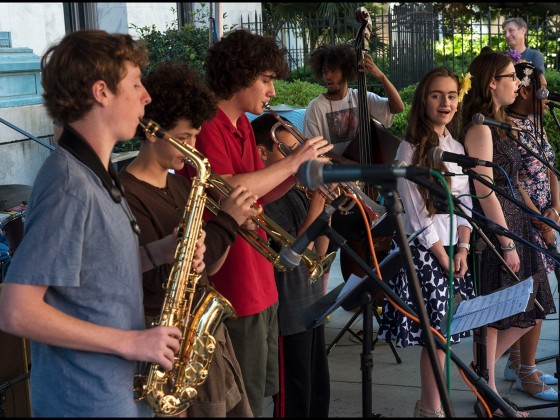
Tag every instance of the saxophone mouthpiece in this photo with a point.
(151, 127)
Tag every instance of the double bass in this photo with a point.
(373, 144)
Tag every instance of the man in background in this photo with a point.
(515, 31)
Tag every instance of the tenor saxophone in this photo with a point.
(171, 392)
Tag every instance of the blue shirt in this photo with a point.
(80, 243)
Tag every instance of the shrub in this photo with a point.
(188, 44)
(297, 93)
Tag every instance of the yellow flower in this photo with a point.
(464, 86)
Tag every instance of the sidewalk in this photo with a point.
(396, 387)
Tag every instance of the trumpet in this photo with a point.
(376, 212)
(316, 264)
(329, 195)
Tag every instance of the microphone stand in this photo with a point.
(554, 116)
(497, 230)
(522, 206)
(5, 387)
(557, 356)
(394, 209)
(480, 335)
(494, 227)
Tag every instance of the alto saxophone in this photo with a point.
(170, 393)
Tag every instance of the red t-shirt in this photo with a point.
(247, 278)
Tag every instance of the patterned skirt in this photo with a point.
(434, 284)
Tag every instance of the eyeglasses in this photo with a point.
(512, 75)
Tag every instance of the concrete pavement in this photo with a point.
(396, 386)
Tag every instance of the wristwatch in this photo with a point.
(508, 248)
(465, 245)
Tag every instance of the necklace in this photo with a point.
(341, 122)
(518, 115)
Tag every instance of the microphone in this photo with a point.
(543, 93)
(435, 189)
(480, 119)
(290, 256)
(313, 174)
(435, 154)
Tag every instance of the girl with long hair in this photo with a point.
(432, 123)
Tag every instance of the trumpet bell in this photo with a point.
(319, 267)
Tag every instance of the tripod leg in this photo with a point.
(480, 340)
(343, 330)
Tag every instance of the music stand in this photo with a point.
(362, 295)
(365, 292)
(389, 267)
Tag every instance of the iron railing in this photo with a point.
(409, 40)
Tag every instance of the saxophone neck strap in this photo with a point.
(76, 145)
(81, 150)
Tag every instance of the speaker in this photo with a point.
(14, 376)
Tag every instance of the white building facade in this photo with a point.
(30, 28)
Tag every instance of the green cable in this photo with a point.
(451, 288)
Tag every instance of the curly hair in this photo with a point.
(420, 132)
(178, 92)
(71, 67)
(238, 59)
(332, 57)
(483, 68)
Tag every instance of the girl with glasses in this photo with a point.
(490, 95)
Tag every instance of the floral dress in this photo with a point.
(533, 174)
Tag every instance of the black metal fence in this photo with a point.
(409, 40)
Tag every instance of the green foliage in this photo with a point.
(407, 92)
(127, 146)
(303, 74)
(398, 128)
(457, 51)
(297, 93)
(188, 44)
(552, 130)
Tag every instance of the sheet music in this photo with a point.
(483, 310)
(350, 284)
